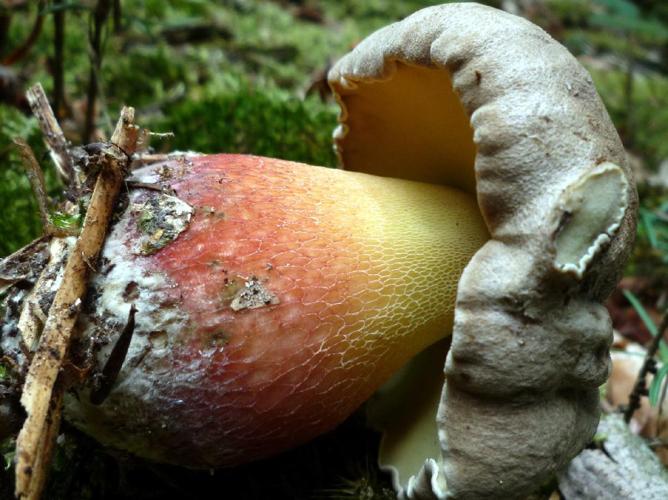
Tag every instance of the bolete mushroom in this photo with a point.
(273, 298)
(468, 96)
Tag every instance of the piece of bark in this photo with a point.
(624, 467)
(42, 397)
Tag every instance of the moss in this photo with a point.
(238, 117)
(19, 216)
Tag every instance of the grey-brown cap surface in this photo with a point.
(473, 97)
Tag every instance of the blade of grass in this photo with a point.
(651, 326)
(657, 383)
(647, 219)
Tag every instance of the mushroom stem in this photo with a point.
(291, 295)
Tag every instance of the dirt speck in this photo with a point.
(252, 295)
(131, 292)
(165, 173)
(160, 220)
(219, 339)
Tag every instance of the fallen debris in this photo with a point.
(42, 394)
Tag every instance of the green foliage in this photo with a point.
(654, 227)
(648, 127)
(19, 220)
(242, 118)
(7, 450)
(656, 386)
(572, 12)
(625, 17)
(650, 257)
(647, 320)
(626, 42)
(65, 221)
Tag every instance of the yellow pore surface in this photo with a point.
(411, 125)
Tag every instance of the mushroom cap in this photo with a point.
(473, 97)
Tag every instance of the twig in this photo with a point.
(147, 159)
(118, 17)
(41, 396)
(648, 366)
(58, 58)
(148, 186)
(100, 15)
(40, 467)
(142, 159)
(36, 178)
(20, 52)
(52, 133)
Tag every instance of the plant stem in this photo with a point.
(21, 51)
(99, 16)
(58, 58)
(648, 366)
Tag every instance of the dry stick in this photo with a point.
(42, 404)
(649, 365)
(140, 160)
(52, 133)
(36, 178)
(32, 318)
(99, 17)
(40, 467)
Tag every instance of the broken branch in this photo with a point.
(52, 133)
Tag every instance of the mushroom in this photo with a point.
(273, 298)
(468, 96)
